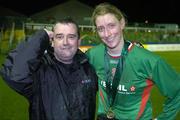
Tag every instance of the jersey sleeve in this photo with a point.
(168, 82)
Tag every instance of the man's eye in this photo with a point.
(59, 37)
(72, 36)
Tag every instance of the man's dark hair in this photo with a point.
(68, 20)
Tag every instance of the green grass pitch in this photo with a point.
(15, 107)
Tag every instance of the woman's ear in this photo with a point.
(123, 23)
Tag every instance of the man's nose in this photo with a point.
(65, 41)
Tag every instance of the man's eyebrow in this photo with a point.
(72, 34)
(58, 34)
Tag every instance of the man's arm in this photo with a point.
(16, 69)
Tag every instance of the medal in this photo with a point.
(110, 114)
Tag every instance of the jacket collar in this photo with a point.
(79, 57)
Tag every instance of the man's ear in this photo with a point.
(52, 43)
(79, 42)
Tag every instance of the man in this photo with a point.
(57, 80)
(127, 72)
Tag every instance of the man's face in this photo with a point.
(110, 30)
(65, 42)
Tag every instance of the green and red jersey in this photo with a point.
(141, 70)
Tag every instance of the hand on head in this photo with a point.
(50, 34)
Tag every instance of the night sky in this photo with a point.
(155, 11)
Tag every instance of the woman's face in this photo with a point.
(110, 30)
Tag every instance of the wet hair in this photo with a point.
(68, 20)
(105, 8)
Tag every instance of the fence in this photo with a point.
(13, 33)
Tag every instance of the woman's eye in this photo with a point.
(99, 29)
(111, 25)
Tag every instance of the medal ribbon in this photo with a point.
(112, 89)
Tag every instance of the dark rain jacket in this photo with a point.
(55, 91)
